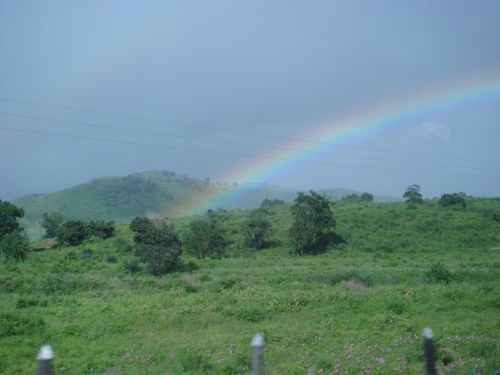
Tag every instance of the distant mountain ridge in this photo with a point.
(161, 193)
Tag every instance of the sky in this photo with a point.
(224, 89)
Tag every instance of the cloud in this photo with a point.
(430, 129)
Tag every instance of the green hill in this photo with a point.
(360, 307)
(147, 193)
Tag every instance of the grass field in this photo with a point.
(358, 308)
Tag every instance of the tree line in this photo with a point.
(159, 245)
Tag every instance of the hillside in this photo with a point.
(147, 193)
(358, 308)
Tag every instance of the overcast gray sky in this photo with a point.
(279, 68)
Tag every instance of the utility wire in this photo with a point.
(253, 156)
(226, 130)
(150, 132)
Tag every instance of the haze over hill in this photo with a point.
(161, 193)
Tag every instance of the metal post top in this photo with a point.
(45, 353)
(257, 341)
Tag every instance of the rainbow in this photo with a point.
(354, 127)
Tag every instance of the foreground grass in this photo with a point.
(359, 307)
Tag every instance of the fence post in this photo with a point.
(44, 359)
(257, 363)
(430, 366)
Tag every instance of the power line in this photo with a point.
(150, 132)
(226, 130)
(253, 156)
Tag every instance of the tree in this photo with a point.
(101, 229)
(454, 199)
(257, 229)
(157, 244)
(14, 242)
(413, 196)
(366, 197)
(350, 198)
(15, 245)
(51, 223)
(9, 214)
(205, 237)
(72, 233)
(313, 223)
(268, 203)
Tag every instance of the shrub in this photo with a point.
(15, 245)
(101, 229)
(111, 258)
(157, 244)
(455, 199)
(72, 233)
(15, 324)
(257, 229)
(439, 273)
(131, 265)
(87, 253)
(51, 223)
(205, 238)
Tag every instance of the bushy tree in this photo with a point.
(72, 233)
(313, 223)
(15, 245)
(350, 198)
(204, 237)
(51, 223)
(14, 242)
(366, 197)
(257, 228)
(268, 203)
(454, 199)
(101, 229)
(157, 244)
(413, 196)
(9, 214)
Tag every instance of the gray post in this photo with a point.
(430, 365)
(44, 358)
(257, 345)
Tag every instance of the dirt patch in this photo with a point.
(48, 244)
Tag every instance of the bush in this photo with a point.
(15, 245)
(257, 229)
(157, 244)
(51, 223)
(439, 273)
(101, 229)
(111, 258)
(205, 238)
(131, 265)
(87, 253)
(455, 199)
(72, 233)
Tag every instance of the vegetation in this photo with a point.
(358, 307)
(157, 245)
(454, 199)
(257, 228)
(51, 221)
(313, 224)
(353, 197)
(14, 242)
(413, 196)
(205, 237)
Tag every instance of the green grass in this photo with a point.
(359, 307)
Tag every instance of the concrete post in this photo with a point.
(257, 363)
(44, 359)
(430, 365)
